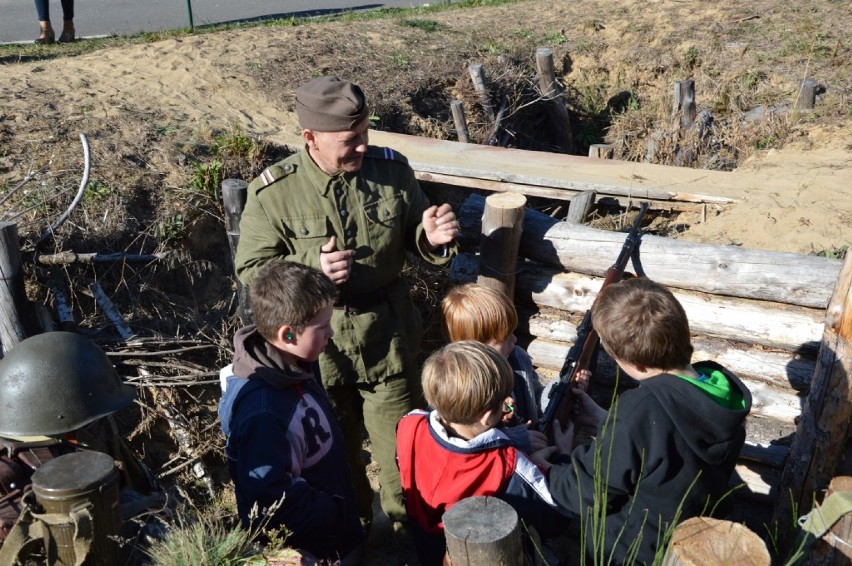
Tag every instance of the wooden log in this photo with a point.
(823, 429)
(601, 151)
(776, 325)
(806, 100)
(502, 224)
(477, 75)
(483, 531)
(576, 173)
(684, 103)
(234, 194)
(551, 92)
(704, 540)
(111, 312)
(834, 548)
(580, 207)
(17, 319)
(734, 271)
(457, 108)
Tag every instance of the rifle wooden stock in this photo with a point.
(585, 348)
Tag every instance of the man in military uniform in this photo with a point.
(353, 210)
(56, 389)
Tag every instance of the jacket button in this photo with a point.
(304, 231)
(343, 213)
(288, 168)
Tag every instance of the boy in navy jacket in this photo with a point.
(284, 445)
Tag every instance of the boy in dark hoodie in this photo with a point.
(666, 450)
(284, 445)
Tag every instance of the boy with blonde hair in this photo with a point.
(667, 449)
(455, 451)
(476, 312)
(284, 446)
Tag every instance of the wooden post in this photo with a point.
(17, 319)
(824, 425)
(580, 206)
(601, 151)
(483, 531)
(807, 94)
(703, 540)
(234, 194)
(684, 102)
(477, 75)
(502, 226)
(551, 91)
(833, 549)
(457, 107)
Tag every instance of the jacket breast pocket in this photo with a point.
(385, 221)
(306, 231)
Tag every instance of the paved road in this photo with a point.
(19, 23)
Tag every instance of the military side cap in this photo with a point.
(329, 104)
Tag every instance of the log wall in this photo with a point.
(759, 313)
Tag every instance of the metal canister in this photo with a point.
(74, 489)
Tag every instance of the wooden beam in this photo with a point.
(637, 181)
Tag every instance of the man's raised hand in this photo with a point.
(440, 225)
(336, 264)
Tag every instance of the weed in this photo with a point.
(691, 58)
(492, 47)
(164, 130)
(423, 25)
(95, 191)
(834, 253)
(556, 38)
(765, 142)
(400, 59)
(171, 229)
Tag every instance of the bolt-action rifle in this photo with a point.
(585, 348)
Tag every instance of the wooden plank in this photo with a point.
(734, 271)
(577, 173)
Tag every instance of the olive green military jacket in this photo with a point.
(293, 208)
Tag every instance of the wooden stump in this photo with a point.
(703, 541)
(502, 226)
(477, 75)
(483, 531)
(234, 194)
(580, 207)
(551, 91)
(457, 108)
(807, 94)
(684, 102)
(601, 151)
(17, 319)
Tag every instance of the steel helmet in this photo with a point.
(56, 382)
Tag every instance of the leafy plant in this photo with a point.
(557, 38)
(424, 25)
(691, 57)
(95, 191)
(171, 229)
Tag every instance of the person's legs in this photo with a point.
(45, 30)
(43, 10)
(68, 33)
(384, 404)
(348, 407)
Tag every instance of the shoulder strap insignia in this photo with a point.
(271, 174)
(377, 152)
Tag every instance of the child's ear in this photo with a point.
(285, 334)
(485, 420)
